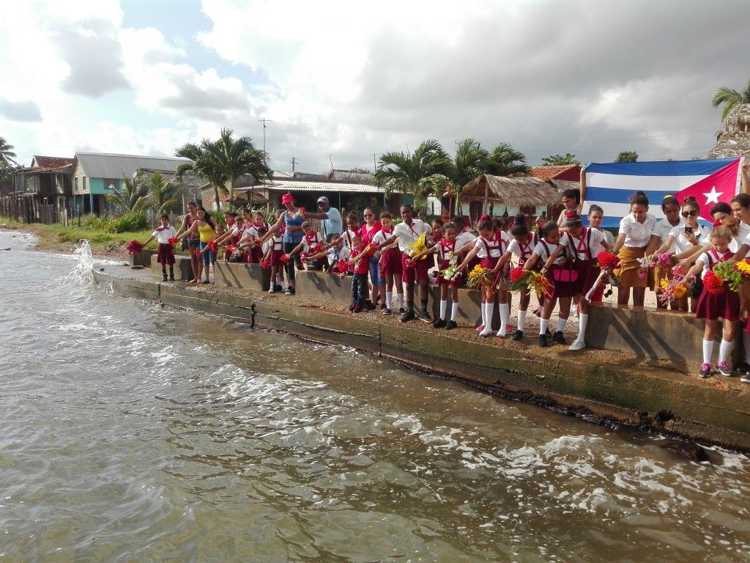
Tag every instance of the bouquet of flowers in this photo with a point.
(285, 259)
(664, 260)
(713, 283)
(729, 275)
(173, 241)
(265, 263)
(743, 267)
(341, 267)
(450, 273)
(608, 261)
(479, 277)
(676, 288)
(528, 280)
(231, 249)
(134, 247)
(419, 246)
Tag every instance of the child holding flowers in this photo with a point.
(556, 266)
(446, 260)
(718, 300)
(165, 236)
(311, 247)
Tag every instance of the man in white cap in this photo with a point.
(332, 226)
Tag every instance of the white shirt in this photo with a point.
(408, 234)
(682, 242)
(493, 246)
(307, 245)
(347, 238)
(163, 234)
(465, 239)
(663, 228)
(544, 249)
(714, 259)
(606, 235)
(381, 236)
(248, 235)
(637, 234)
(591, 241)
(522, 252)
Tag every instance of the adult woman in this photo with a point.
(635, 237)
(291, 219)
(205, 228)
(192, 242)
(685, 239)
(368, 231)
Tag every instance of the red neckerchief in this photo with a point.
(446, 246)
(721, 257)
(312, 239)
(160, 228)
(527, 247)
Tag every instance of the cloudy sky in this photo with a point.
(343, 80)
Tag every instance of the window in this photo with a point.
(75, 187)
(84, 184)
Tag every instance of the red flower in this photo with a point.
(212, 246)
(713, 283)
(173, 241)
(265, 263)
(607, 260)
(516, 274)
(284, 259)
(231, 248)
(134, 247)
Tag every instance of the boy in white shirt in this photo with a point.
(164, 234)
(412, 271)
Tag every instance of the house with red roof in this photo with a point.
(569, 172)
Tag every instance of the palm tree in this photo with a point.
(130, 195)
(560, 159)
(225, 160)
(504, 160)
(7, 156)
(469, 161)
(162, 195)
(404, 171)
(627, 156)
(731, 99)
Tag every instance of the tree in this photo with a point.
(7, 156)
(560, 159)
(627, 156)
(223, 161)
(130, 195)
(403, 171)
(468, 162)
(504, 160)
(730, 98)
(162, 195)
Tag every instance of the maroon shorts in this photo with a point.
(587, 274)
(414, 272)
(165, 254)
(390, 263)
(276, 257)
(564, 280)
(724, 305)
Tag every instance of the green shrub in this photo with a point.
(96, 223)
(130, 221)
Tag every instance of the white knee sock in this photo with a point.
(708, 351)
(725, 351)
(490, 314)
(388, 299)
(543, 324)
(483, 310)
(400, 300)
(504, 315)
(561, 324)
(443, 308)
(454, 311)
(583, 321)
(521, 320)
(746, 345)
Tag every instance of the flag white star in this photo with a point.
(712, 196)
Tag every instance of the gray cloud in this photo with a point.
(94, 55)
(209, 103)
(20, 111)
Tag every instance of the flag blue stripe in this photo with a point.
(618, 195)
(661, 168)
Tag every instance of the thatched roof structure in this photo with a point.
(522, 191)
(734, 137)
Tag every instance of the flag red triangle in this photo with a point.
(721, 186)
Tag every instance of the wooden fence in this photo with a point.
(32, 209)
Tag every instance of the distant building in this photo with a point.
(96, 175)
(570, 172)
(40, 192)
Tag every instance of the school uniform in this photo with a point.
(561, 274)
(313, 244)
(165, 251)
(412, 270)
(446, 256)
(390, 259)
(584, 250)
(712, 306)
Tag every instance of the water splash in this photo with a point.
(83, 272)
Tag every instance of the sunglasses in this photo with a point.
(689, 213)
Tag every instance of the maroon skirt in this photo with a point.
(564, 280)
(276, 257)
(165, 254)
(588, 271)
(724, 305)
(390, 262)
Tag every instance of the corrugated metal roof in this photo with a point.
(105, 165)
(302, 186)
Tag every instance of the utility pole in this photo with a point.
(294, 162)
(265, 123)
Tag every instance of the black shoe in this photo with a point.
(277, 287)
(288, 291)
(408, 316)
(558, 337)
(438, 323)
(370, 306)
(387, 312)
(164, 277)
(171, 278)
(543, 341)
(518, 335)
(450, 325)
(401, 310)
(423, 315)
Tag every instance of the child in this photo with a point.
(390, 263)
(361, 252)
(488, 249)
(714, 306)
(206, 231)
(445, 256)
(583, 244)
(570, 200)
(558, 270)
(165, 255)
(521, 247)
(311, 246)
(274, 252)
(437, 230)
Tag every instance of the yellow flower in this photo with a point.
(743, 268)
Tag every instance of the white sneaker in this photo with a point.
(502, 333)
(486, 331)
(578, 344)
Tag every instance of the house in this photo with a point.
(42, 191)
(570, 172)
(96, 175)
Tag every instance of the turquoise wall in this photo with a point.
(98, 187)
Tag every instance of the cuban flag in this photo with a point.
(610, 185)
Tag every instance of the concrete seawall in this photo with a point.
(598, 385)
